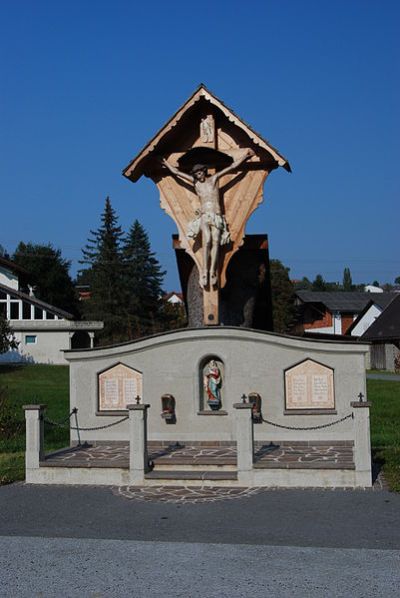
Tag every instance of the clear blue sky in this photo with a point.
(85, 84)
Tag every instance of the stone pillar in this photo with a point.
(244, 442)
(34, 452)
(138, 461)
(362, 443)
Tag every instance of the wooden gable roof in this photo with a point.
(137, 166)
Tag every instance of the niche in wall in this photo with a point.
(211, 382)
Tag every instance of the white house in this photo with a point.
(174, 297)
(370, 288)
(42, 330)
(370, 313)
(337, 312)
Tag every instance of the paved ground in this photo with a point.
(95, 542)
(291, 454)
(114, 568)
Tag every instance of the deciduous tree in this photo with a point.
(283, 309)
(49, 273)
(319, 283)
(347, 280)
(7, 339)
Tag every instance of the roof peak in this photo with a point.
(136, 167)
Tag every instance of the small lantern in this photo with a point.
(168, 408)
(255, 401)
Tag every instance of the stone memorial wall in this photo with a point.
(301, 383)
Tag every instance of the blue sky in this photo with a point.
(84, 85)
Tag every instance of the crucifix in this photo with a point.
(210, 221)
(209, 167)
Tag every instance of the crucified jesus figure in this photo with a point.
(209, 219)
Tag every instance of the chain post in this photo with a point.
(75, 412)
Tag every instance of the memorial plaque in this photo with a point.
(309, 385)
(119, 386)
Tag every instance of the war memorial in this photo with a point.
(224, 402)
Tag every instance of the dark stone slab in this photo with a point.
(246, 298)
(191, 475)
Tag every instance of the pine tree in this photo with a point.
(347, 280)
(103, 255)
(143, 283)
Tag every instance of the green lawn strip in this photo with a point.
(385, 428)
(12, 467)
(382, 372)
(33, 384)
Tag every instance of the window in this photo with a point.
(30, 339)
(38, 313)
(14, 310)
(26, 311)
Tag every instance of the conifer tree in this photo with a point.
(143, 283)
(103, 255)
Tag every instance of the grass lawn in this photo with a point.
(32, 384)
(385, 427)
(49, 384)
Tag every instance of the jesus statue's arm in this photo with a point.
(176, 172)
(248, 154)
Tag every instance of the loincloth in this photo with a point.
(216, 220)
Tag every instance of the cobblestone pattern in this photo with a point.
(297, 455)
(266, 455)
(101, 455)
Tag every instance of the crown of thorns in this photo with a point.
(198, 167)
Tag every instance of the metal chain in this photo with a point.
(60, 425)
(57, 424)
(309, 427)
(101, 427)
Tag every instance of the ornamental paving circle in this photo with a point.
(184, 494)
(203, 494)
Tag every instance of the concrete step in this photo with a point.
(191, 465)
(304, 465)
(188, 475)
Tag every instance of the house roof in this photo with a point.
(345, 301)
(387, 325)
(134, 169)
(386, 299)
(168, 296)
(12, 266)
(42, 304)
